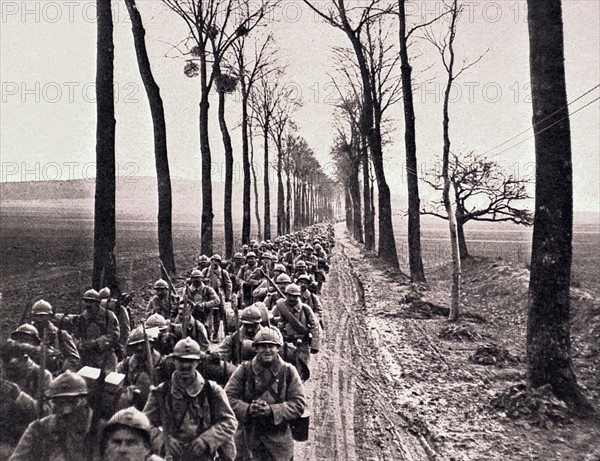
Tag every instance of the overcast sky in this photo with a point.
(48, 71)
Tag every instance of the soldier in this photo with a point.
(300, 268)
(195, 329)
(114, 306)
(220, 281)
(128, 437)
(194, 413)
(160, 303)
(265, 394)
(281, 281)
(68, 433)
(264, 289)
(98, 334)
(62, 354)
(203, 262)
(202, 298)
(19, 368)
(139, 378)
(237, 347)
(308, 297)
(300, 328)
(248, 278)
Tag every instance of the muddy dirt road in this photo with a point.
(353, 417)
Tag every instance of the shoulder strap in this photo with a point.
(296, 325)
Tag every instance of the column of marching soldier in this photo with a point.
(213, 371)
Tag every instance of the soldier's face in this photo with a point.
(91, 308)
(251, 329)
(161, 292)
(292, 299)
(266, 353)
(186, 368)
(68, 405)
(125, 445)
(40, 321)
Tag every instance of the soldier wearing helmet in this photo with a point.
(220, 281)
(195, 328)
(265, 288)
(18, 364)
(194, 413)
(248, 278)
(139, 377)
(161, 302)
(300, 328)
(114, 305)
(203, 262)
(264, 411)
(166, 339)
(97, 330)
(128, 437)
(68, 433)
(282, 281)
(237, 346)
(308, 297)
(62, 354)
(202, 298)
(300, 268)
(289, 257)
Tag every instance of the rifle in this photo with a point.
(270, 280)
(41, 376)
(172, 291)
(150, 362)
(238, 342)
(185, 321)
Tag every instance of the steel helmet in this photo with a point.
(41, 307)
(158, 321)
(196, 274)
(131, 418)
(250, 315)
(251, 254)
(268, 335)
(104, 293)
(136, 336)
(91, 295)
(293, 289)
(301, 263)
(203, 259)
(216, 257)
(187, 349)
(266, 255)
(238, 255)
(279, 267)
(283, 278)
(245, 247)
(304, 277)
(160, 283)
(68, 384)
(308, 248)
(26, 332)
(255, 246)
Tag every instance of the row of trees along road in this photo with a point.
(224, 51)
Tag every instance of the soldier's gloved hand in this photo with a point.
(254, 408)
(174, 447)
(9, 391)
(199, 446)
(314, 351)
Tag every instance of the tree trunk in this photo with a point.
(267, 190)
(369, 215)
(462, 242)
(280, 193)
(354, 186)
(161, 159)
(246, 219)
(288, 204)
(104, 269)
(206, 227)
(456, 266)
(227, 203)
(548, 329)
(417, 274)
(255, 184)
(348, 203)
(387, 244)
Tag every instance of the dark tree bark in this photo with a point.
(163, 177)
(280, 193)
(267, 187)
(462, 243)
(246, 217)
(548, 330)
(417, 274)
(104, 269)
(354, 186)
(255, 185)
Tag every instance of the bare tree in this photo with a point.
(352, 21)
(415, 259)
(163, 177)
(213, 27)
(445, 46)
(104, 269)
(251, 62)
(254, 183)
(548, 328)
(265, 97)
(482, 192)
